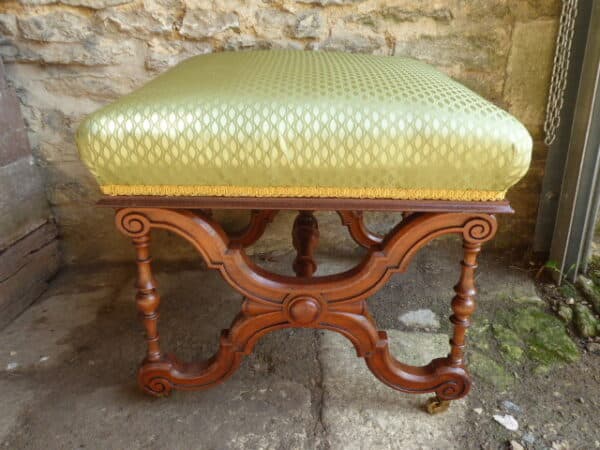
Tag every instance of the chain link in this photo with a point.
(560, 71)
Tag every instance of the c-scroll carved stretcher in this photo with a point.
(334, 302)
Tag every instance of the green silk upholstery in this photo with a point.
(305, 124)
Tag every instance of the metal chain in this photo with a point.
(560, 71)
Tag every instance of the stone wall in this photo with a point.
(66, 58)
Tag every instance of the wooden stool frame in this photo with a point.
(333, 302)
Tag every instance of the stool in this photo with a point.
(290, 130)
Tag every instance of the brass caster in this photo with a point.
(435, 406)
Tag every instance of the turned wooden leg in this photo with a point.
(147, 298)
(463, 306)
(305, 236)
(463, 303)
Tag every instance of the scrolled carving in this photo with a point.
(453, 389)
(480, 229)
(354, 221)
(155, 385)
(132, 224)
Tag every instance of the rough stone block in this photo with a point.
(70, 184)
(403, 14)
(8, 25)
(331, 2)
(156, 17)
(95, 51)
(37, 2)
(529, 70)
(203, 23)
(162, 55)
(475, 49)
(55, 27)
(94, 4)
(484, 10)
(97, 86)
(246, 42)
(274, 21)
(352, 42)
(534, 9)
(308, 25)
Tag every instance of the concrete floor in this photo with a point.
(67, 367)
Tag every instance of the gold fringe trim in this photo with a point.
(299, 191)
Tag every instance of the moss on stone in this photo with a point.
(522, 334)
(594, 268)
(529, 300)
(544, 338)
(565, 313)
(595, 299)
(590, 290)
(489, 370)
(586, 324)
(511, 345)
(568, 290)
(532, 334)
(478, 335)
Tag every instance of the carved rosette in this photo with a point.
(303, 310)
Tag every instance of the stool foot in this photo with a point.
(435, 405)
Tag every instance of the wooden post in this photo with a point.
(305, 236)
(463, 304)
(147, 298)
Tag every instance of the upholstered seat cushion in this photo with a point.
(305, 124)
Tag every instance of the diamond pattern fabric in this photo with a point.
(305, 124)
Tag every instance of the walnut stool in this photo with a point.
(292, 130)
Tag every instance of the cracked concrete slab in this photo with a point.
(39, 337)
(360, 413)
(88, 398)
(15, 399)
